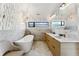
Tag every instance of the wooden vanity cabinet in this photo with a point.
(53, 45)
(59, 48)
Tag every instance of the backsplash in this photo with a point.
(71, 28)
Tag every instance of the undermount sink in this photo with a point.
(61, 35)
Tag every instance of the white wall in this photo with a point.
(11, 22)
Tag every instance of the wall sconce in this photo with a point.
(52, 16)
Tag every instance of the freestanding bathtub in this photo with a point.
(25, 43)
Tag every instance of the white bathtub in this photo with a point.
(25, 43)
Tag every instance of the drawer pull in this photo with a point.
(53, 47)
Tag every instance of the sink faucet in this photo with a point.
(62, 35)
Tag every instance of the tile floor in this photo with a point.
(39, 48)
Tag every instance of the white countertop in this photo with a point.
(64, 39)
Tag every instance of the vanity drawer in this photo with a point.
(52, 40)
(55, 49)
(55, 42)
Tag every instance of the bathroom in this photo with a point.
(33, 28)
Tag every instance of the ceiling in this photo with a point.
(39, 10)
(68, 10)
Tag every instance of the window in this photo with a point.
(41, 24)
(31, 24)
(38, 24)
(58, 24)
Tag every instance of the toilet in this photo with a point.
(25, 44)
